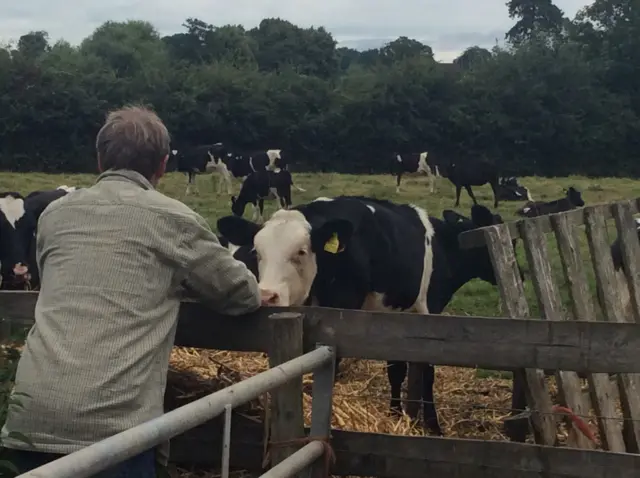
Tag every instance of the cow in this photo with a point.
(476, 173)
(200, 159)
(25, 225)
(245, 254)
(572, 200)
(261, 185)
(510, 190)
(354, 252)
(414, 163)
(14, 261)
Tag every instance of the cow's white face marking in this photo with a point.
(398, 158)
(526, 209)
(13, 209)
(286, 264)
(174, 151)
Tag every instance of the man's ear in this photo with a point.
(237, 230)
(331, 236)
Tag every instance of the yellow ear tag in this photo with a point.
(332, 244)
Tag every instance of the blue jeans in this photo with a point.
(140, 466)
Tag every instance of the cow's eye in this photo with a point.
(302, 252)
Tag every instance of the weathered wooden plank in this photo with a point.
(575, 217)
(630, 248)
(603, 398)
(321, 406)
(628, 384)
(550, 305)
(488, 342)
(367, 454)
(286, 407)
(514, 303)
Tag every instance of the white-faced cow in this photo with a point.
(200, 159)
(510, 190)
(262, 185)
(414, 163)
(572, 200)
(473, 173)
(355, 252)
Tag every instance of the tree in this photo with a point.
(535, 17)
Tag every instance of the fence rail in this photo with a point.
(488, 342)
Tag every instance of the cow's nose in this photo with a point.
(269, 297)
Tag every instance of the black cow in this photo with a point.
(572, 200)
(262, 185)
(245, 254)
(199, 159)
(510, 190)
(354, 252)
(473, 173)
(414, 163)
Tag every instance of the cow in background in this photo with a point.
(473, 173)
(510, 190)
(572, 200)
(414, 163)
(200, 159)
(262, 185)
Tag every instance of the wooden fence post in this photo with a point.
(321, 412)
(287, 419)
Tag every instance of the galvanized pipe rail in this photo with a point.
(118, 448)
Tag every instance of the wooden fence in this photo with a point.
(529, 383)
(493, 343)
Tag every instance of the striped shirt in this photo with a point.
(112, 260)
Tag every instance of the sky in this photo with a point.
(448, 26)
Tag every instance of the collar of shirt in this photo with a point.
(126, 174)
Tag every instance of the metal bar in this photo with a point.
(226, 440)
(122, 446)
(297, 462)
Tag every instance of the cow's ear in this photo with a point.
(331, 236)
(237, 230)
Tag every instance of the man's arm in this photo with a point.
(211, 271)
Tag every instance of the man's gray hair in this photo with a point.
(135, 138)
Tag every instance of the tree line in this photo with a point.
(561, 97)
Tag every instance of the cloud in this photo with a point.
(448, 26)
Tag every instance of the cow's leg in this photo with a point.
(399, 177)
(396, 372)
(190, 177)
(429, 413)
(494, 188)
(261, 209)
(458, 191)
(254, 216)
(470, 192)
(518, 431)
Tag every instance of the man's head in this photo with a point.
(134, 138)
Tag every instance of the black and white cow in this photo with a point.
(473, 173)
(25, 215)
(200, 159)
(363, 253)
(261, 185)
(14, 260)
(572, 200)
(414, 163)
(510, 190)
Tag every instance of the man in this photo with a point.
(113, 259)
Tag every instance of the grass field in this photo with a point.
(470, 403)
